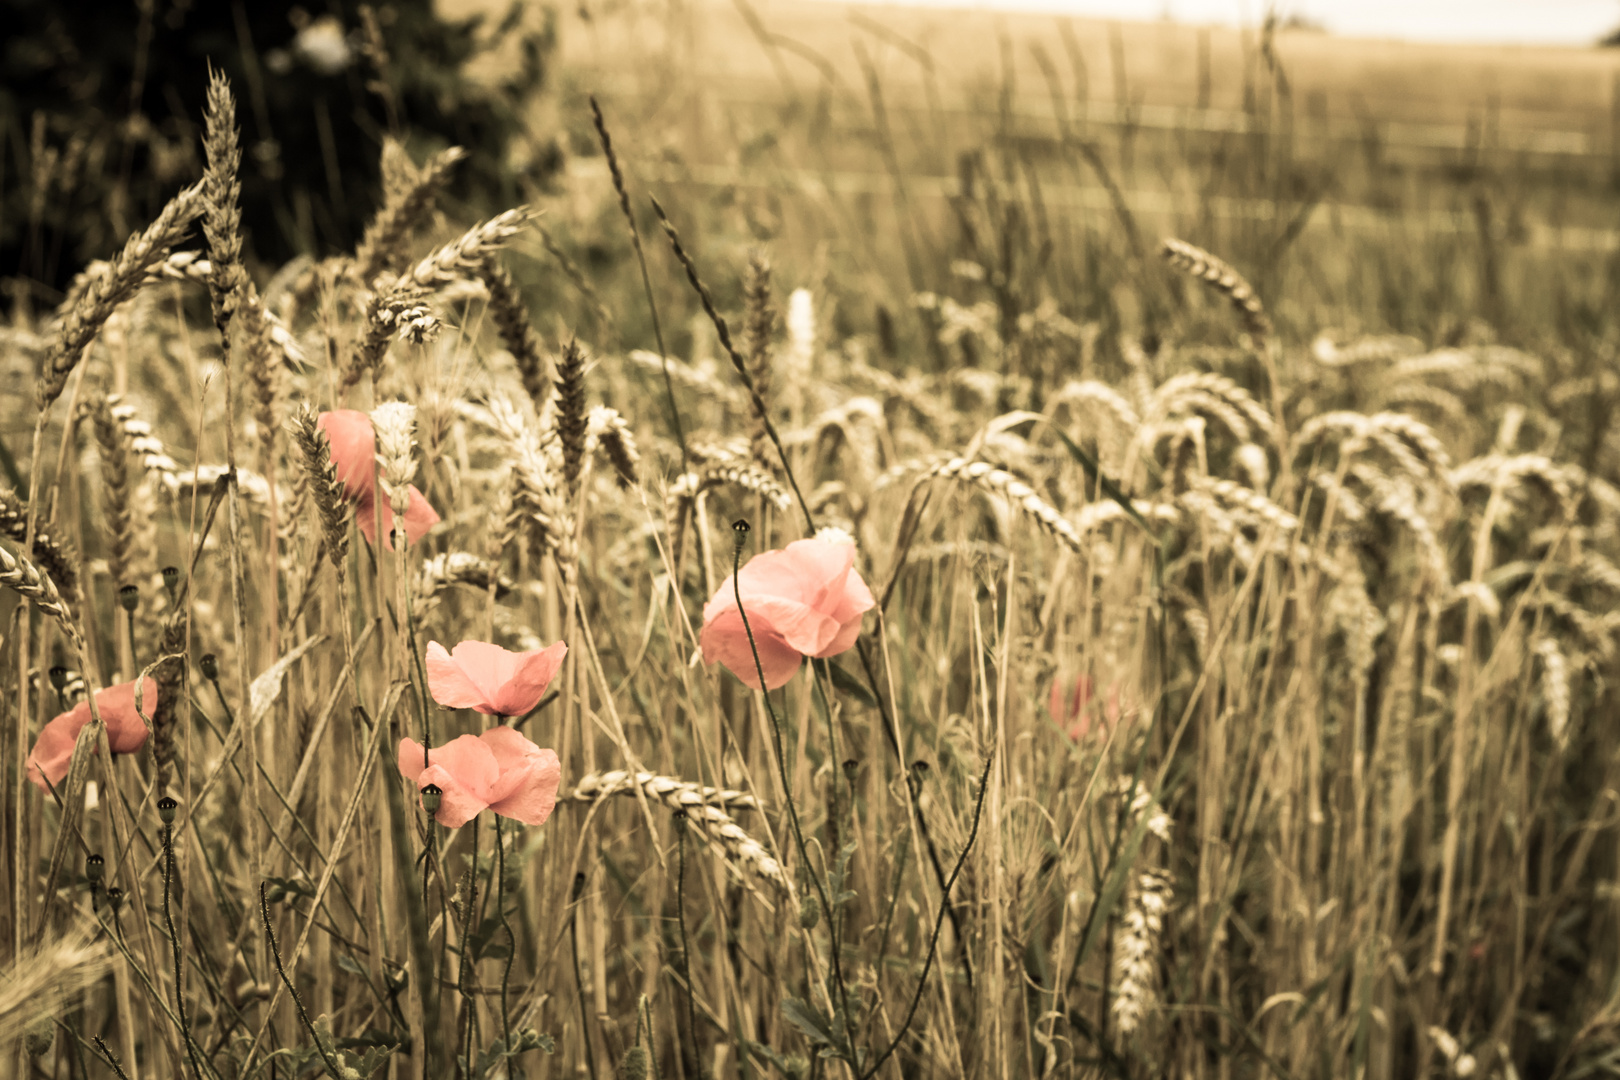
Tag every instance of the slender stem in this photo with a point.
(646, 278)
(939, 920)
(579, 980)
(511, 939)
(686, 951)
(469, 972)
(174, 942)
(332, 1066)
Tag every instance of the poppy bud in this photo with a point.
(171, 579)
(809, 911)
(93, 867)
(166, 807)
(59, 678)
(633, 1066)
(431, 796)
(210, 666)
(42, 1035)
(129, 597)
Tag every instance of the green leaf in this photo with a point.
(808, 1019)
(848, 685)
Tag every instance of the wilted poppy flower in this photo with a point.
(499, 770)
(803, 600)
(1071, 706)
(126, 731)
(493, 680)
(354, 452)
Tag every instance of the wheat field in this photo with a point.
(1206, 686)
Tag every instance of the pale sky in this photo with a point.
(1538, 22)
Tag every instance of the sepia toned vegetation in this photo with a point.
(1235, 696)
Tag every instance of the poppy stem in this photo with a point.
(511, 939)
(174, 942)
(469, 963)
(110, 1058)
(333, 1068)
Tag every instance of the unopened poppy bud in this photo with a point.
(171, 579)
(432, 794)
(42, 1036)
(809, 911)
(166, 807)
(93, 867)
(210, 666)
(633, 1066)
(129, 597)
(59, 678)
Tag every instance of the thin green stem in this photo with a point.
(179, 962)
(511, 939)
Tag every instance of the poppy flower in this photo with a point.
(353, 441)
(493, 680)
(499, 770)
(126, 731)
(1070, 704)
(803, 600)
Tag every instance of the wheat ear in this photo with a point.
(1221, 277)
(703, 807)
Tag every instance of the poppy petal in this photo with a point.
(525, 686)
(725, 641)
(449, 682)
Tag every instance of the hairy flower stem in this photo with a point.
(740, 537)
(332, 1066)
(511, 939)
(174, 942)
(469, 963)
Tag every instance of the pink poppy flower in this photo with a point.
(126, 731)
(493, 680)
(1071, 706)
(354, 452)
(499, 770)
(803, 600)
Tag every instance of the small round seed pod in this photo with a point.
(94, 867)
(852, 769)
(809, 911)
(166, 807)
(209, 665)
(59, 678)
(432, 795)
(115, 897)
(739, 532)
(129, 597)
(171, 579)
